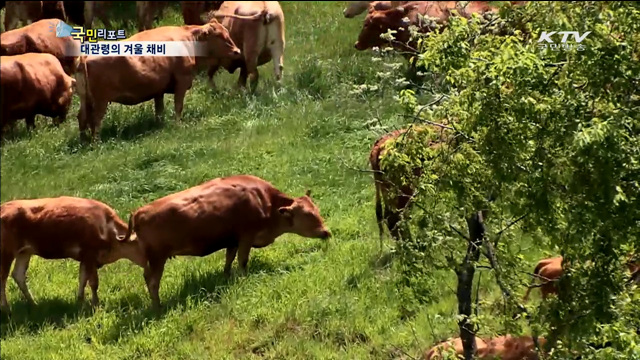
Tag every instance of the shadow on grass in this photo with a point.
(144, 124)
(45, 312)
(196, 289)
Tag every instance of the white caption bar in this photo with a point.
(138, 48)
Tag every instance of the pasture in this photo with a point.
(302, 299)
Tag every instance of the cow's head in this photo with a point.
(378, 22)
(123, 249)
(303, 217)
(218, 41)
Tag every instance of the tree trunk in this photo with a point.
(465, 273)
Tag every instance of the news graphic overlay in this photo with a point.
(103, 42)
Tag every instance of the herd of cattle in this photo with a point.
(235, 213)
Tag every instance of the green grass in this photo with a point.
(302, 299)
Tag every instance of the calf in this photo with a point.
(131, 80)
(391, 197)
(257, 27)
(33, 84)
(550, 270)
(85, 230)
(40, 37)
(31, 11)
(236, 212)
(502, 347)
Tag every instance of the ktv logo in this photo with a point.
(546, 36)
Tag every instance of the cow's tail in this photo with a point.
(82, 77)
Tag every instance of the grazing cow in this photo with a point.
(257, 27)
(32, 11)
(192, 10)
(85, 230)
(146, 11)
(378, 22)
(356, 8)
(550, 270)
(502, 347)
(131, 80)
(236, 212)
(392, 198)
(40, 37)
(32, 84)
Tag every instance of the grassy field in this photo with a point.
(302, 299)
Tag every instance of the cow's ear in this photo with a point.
(285, 211)
(203, 30)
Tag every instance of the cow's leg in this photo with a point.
(277, 56)
(31, 122)
(92, 273)
(19, 274)
(95, 121)
(182, 85)
(159, 107)
(213, 69)
(252, 69)
(5, 268)
(231, 255)
(244, 247)
(152, 276)
(242, 79)
(84, 277)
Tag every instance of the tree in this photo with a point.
(550, 138)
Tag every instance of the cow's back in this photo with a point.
(40, 37)
(204, 218)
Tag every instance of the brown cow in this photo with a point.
(550, 270)
(236, 212)
(378, 22)
(146, 11)
(33, 84)
(40, 37)
(131, 80)
(356, 8)
(85, 230)
(503, 347)
(392, 198)
(31, 11)
(257, 27)
(192, 10)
